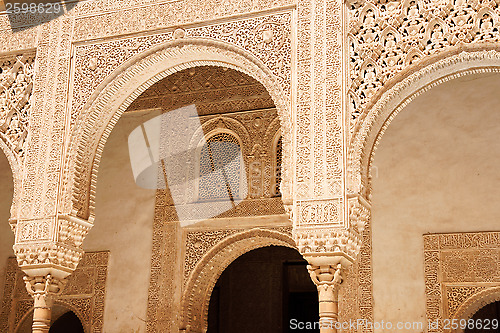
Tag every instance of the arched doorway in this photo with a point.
(436, 160)
(68, 322)
(229, 104)
(64, 320)
(486, 318)
(265, 290)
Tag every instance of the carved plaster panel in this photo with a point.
(97, 19)
(459, 267)
(84, 294)
(319, 119)
(47, 129)
(16, 85)
(386, 38)
(95, 62)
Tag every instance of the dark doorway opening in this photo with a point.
(68, 322)
(266, 291)
(486, 319)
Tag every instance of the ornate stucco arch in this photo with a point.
(117, 92)
(15, 164)
(395, 97)
(199, 286)
(474, 303)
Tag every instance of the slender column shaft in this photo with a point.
(41, 314)
(328, 308)
(327, 279)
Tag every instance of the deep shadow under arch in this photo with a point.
(264, 290)
(68, 322)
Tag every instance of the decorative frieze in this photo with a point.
(105, 18)
(108, 56)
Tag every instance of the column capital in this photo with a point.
(44, 290)
(326, 275)
(327, 279)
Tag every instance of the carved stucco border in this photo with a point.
(132, 78)
(196, 296)
(476, 302)
(410, 84)
(16, 171)
(437, 302)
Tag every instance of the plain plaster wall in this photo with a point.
(438, 172)
(6, 234)
(124, 226)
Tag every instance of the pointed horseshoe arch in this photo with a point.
(475, 303)
(374, 122)
(196, 297)
(101, 113)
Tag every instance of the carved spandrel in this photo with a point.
(387, 38)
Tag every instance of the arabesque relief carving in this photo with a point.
(458, 267)
(95, 62)
(83, 294)
(16, 85)
(386, 38)
(90, 56)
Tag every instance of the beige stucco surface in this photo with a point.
(436, 171)
(123, 225)
(6, 235)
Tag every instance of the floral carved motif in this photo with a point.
(386, 38)
(97, 61)
(94, 125)
(16, 85)
(458, 267)
(33, 231)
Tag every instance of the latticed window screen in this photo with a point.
(277, 169)
(220, 168)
